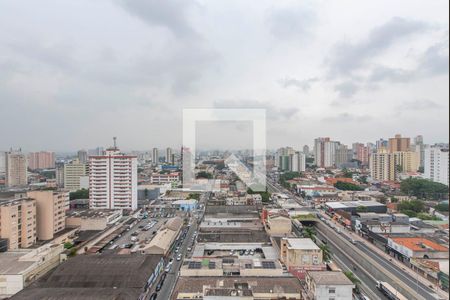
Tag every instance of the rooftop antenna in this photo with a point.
(115, 142)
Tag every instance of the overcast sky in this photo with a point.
(75, 73)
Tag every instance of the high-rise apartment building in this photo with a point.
(169, 156)
(155, 156)
(18, 222)
(437, 164)
(342, 155)
(113, 181)
(16, 169)
(41, 160)
(385, 166)
(362, 153)
(297, 162)
(59, 174)
(74, 173)
(306, 150)
(399, 144)
(2, 162)
(325, 152)
(51, 209)
(83, 156)
(381, 145)
(282, 158)
(419, 147)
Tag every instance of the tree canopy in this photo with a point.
(347, 186)
(424, 188)
(265, 196)
(411, 208)
(80, 194)
(203, 174)
(443, 207)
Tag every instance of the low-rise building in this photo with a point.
(106, 276)
(355, 206)
(185, 205)
(164, 238)
(328, 285)
(407, 248)
(90, 219)
(18, 268)
(162, 178)
(278, 224)
(300, 255)
(242, 288)
(230, 266)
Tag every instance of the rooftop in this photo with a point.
(346, 204)
(302, 244)
(253, 284)
(419, 244)
(91, 213)
(329, 278)
(94, 277)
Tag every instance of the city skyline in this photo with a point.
(353, 76)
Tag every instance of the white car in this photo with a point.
(179, 257)
(168, 267)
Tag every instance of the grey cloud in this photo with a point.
(347, 89)
(435, 61)
(273, 112)
(304, 84)
(347, 117)
(382, 73)
(169, 14)
(54, 54)
(291, 22)
(418, 105)
(347, 57)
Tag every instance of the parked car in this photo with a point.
(154, 296)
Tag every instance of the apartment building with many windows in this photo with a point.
(51, 206)
(16, 169)
(437, 164)
(113, 180)
(73, 173)
(18, 222)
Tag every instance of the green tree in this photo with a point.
(347, 186)
(353, 279)
(309, 232)
(326, 252)
(72, 252)
(425, 216)
(347, 174)
(80, 194)
(424, 188)
(68, 245)
(416, 206)
(265, 196)
(205, 175)
(442, 207)
(363, 179)
(194, 196)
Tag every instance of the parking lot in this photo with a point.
(142, 231)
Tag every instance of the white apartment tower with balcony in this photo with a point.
(113, 180)
(437, 164)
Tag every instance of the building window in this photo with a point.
(332, 291)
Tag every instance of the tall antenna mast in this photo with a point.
(115, 142)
